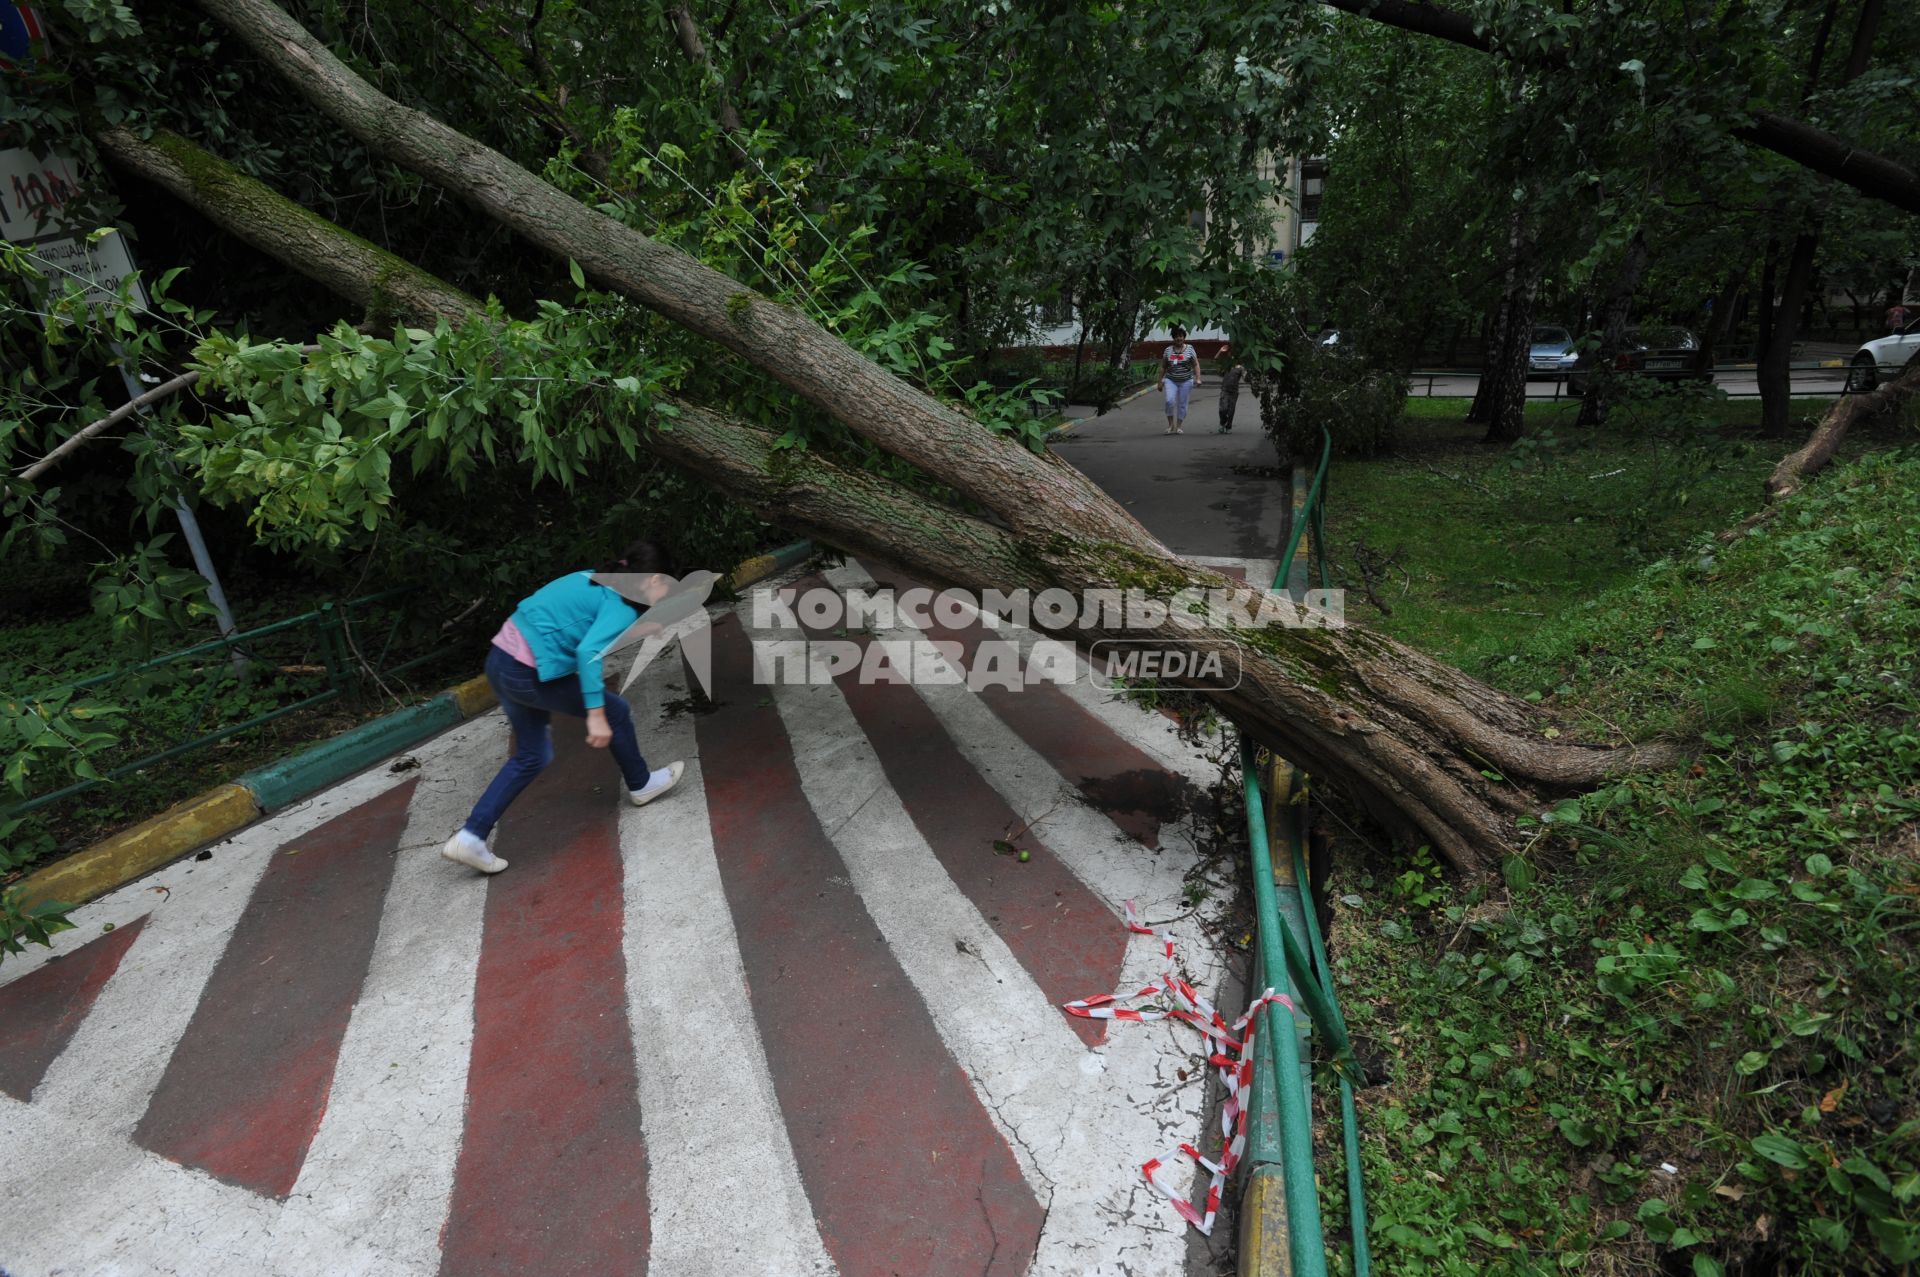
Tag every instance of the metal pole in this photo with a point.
(189, 527)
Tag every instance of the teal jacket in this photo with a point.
(570, 623)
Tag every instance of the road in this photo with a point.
(799, 1017)
(1740, 383)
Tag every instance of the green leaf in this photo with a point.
(1898, 1241)
(1782, 1151)
(579, 276)
(1831, 1232)
(1755, 889)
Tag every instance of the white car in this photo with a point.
(1881, 360)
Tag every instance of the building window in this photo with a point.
(1313, 178)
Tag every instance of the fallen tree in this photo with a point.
(1437, 754)
(1847, 412)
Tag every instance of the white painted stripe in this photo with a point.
(110, 1067)
(1079, 1121)
(382, 1162)
(723, 1188)
(76, 1200)
(1259, 571)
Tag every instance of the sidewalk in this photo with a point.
(1192, 490)
(798, 1017)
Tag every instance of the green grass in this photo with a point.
(1710, 969)
(1493, 542)
(156, 710)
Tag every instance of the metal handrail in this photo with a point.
(1302, 974)
(330, 620)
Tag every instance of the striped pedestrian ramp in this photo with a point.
(799, 1017)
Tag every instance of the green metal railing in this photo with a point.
(338, 641)
(1304, 975)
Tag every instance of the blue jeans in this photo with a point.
(530, 705)
(1177, 393)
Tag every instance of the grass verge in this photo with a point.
(1680, 1037)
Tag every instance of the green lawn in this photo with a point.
(1679, 1034)
(1492, 542)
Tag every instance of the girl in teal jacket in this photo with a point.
(547, 659)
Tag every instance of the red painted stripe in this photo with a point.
(1057, 929)
(552, 1173)
(41, 1011)
(1114, 776)
(902, 1165)
(247, 1085)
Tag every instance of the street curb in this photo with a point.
(1077, 422)
(150, 844)
(281, 784)
(132, 853)
(1263, 1224)
(762, 566)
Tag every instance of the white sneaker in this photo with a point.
(657, 784)
(465, 849)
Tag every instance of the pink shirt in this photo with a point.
(514, 644)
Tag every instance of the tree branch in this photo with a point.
(1873, 175)
(251, 210)
(688, 36)
(108, 422)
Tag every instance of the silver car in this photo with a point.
(1882, 360)
(1551, 354)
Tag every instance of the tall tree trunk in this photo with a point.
(1776, 357)
(1437, 753)
(1722, 320)
(1494, 363)
(1602, 385)
(1507, 421)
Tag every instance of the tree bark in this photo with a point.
(1848, 411)
(1406, 734)
(1508, 419)
(1501, 399)
(687, 33)
(1601, 382)
(250, 210)
(1775, 372)
(1722, 320)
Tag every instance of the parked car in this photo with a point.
(1660, 352)
(1552, 353)
(1879, 360)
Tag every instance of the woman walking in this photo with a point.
(1179, 374)
(546, 660)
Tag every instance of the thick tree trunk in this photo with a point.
(1775, 372)
(1486, 390)
(1398, 730)
(1601, 385)
(1508, 419)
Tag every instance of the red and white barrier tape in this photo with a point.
(1236, 1070)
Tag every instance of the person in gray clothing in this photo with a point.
(1229, 389)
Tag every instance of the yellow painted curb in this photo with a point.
(751, 570)
(147, 846)
(1263, 1224)
(475, 696)
(114, 862)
